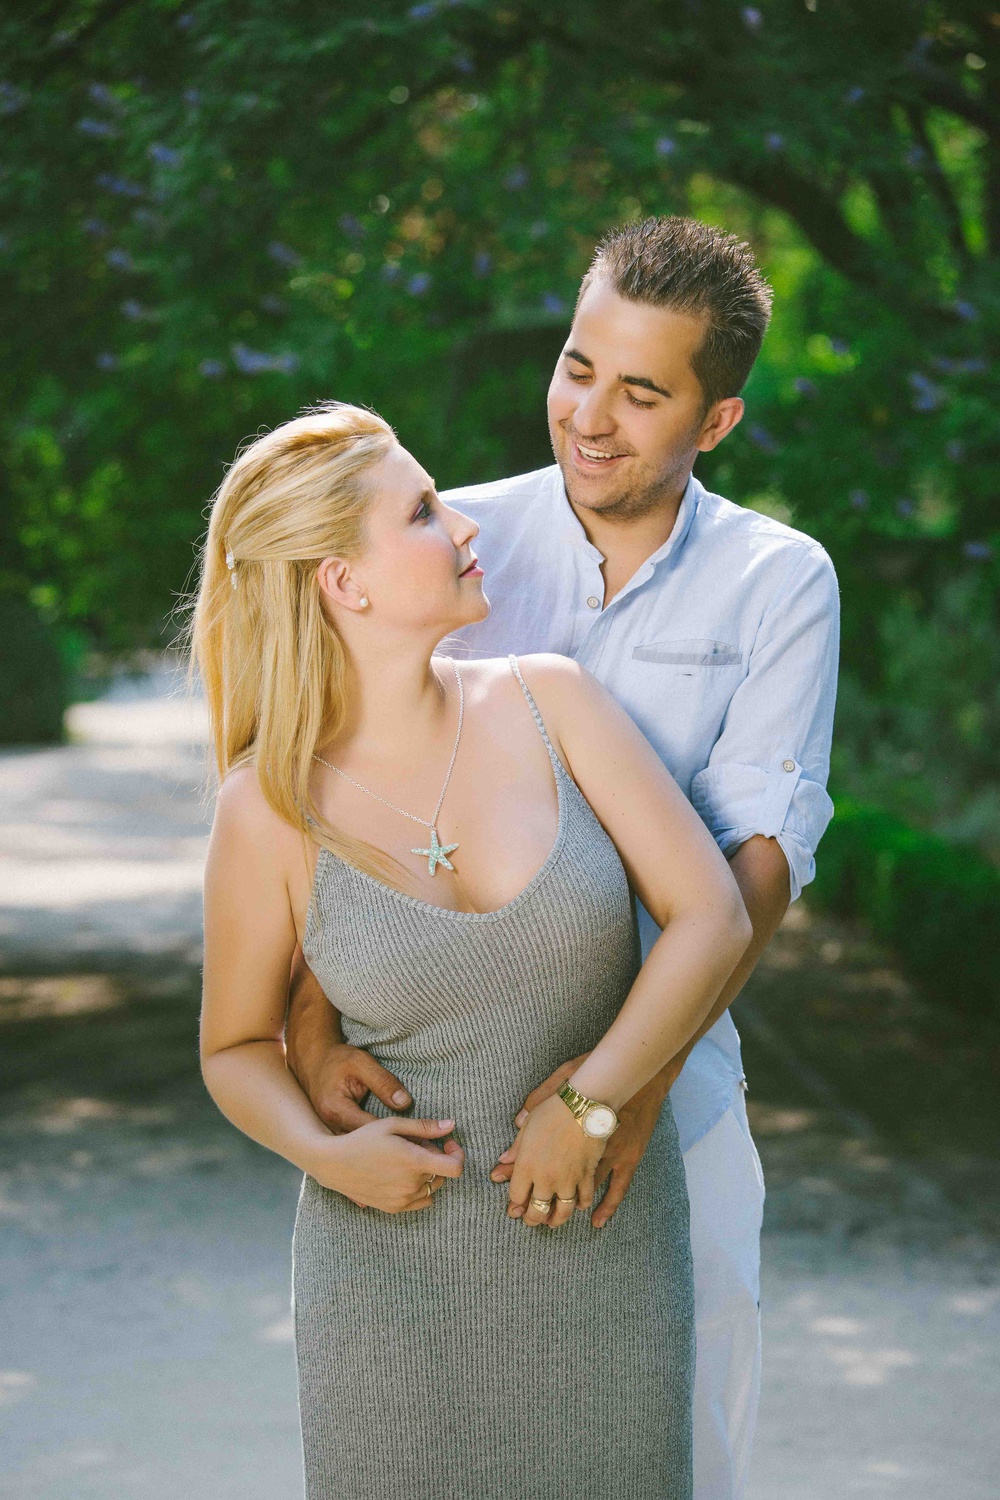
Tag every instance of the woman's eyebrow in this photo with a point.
(643, 380)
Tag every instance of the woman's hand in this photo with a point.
(381, 1165)
(555, 1163)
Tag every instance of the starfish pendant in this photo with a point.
(437, 854)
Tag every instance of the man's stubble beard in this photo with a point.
(636, 503)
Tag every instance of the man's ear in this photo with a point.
(720, 419)
(338, 584)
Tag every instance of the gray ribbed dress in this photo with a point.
(455, 1354)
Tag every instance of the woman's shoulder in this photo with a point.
(244, 814)
(565, 693)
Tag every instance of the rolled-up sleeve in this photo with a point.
(768, 769)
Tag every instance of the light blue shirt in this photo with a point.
(723, 647)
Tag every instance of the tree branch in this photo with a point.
(940, 187)
(938, 88)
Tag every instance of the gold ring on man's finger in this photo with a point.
(541, 1205)
(427, 1185)
(565, 1200)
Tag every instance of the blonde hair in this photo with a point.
(273, 668)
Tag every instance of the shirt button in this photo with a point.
(594, 602)
(788, 765)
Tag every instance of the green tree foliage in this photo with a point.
(218, 212)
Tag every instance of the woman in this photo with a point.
(453, 848)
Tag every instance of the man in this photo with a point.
(717, 629)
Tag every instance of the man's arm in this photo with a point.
(334, 1075)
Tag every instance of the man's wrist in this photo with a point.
(309, 1049)
(663, 1081)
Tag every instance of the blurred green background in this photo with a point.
(216, 213)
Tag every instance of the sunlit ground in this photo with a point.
(145, 1244)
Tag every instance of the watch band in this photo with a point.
(580, 1107)
(578, 1103)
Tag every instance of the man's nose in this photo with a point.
(592, 417)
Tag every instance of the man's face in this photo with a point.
(626, 410)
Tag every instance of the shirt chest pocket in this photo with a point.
(688, 658)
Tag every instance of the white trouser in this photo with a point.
(726, 1191)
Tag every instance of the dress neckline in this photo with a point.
(326, 855)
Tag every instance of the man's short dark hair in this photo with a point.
(691, 267)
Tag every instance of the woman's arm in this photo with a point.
(672, 862)
(249, 941)
(682, 879)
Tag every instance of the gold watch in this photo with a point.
(597, 1120)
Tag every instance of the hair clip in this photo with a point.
(231, 565)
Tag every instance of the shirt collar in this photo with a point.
(569, 529)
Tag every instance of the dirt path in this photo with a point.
(145, 1244)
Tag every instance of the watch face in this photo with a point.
(599, 1121)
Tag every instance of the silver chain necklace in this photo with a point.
(438, 853)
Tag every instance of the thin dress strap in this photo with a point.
(557, 763)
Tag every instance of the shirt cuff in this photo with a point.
(736, 801)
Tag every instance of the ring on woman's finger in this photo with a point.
(427, 1185)
(565, 1200)
(541, 1205)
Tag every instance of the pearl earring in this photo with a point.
(363, 601)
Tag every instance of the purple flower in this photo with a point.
(752, 18)
(762, 439)
(120, 260)
(966, 311)
(553, 303)
(164, 156)
(904, 507)
(960, 366)
(193, 98)
(102, 95)
(665, 146)
(211, 369)
(804, 386)
(418, 284)
(840, 346)
(186, 21)
(978, 551)
(88, 126)
(390, 272)
(274, 305)
(926, 395)
(106, 361)
(483, 263)
(858, 499)
(122, 187)
(352, 225)
(421, 12)
(955, 450)
(96, 227)
(254, 362)
(11, 99)
(284, 255)
(774, 140)
(464, 64)
(146, 217)
(133, 310)
(516, 178)
(854, 95)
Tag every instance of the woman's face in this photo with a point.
(418, 568)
